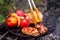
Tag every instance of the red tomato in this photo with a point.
(11, 22)
(20, 13)
(24, 23)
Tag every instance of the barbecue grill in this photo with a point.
(49, 22)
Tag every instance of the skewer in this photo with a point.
(33, 3)
(32, 13)
(38, 13)
(4, 35)
(30, 4)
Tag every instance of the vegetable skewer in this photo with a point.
(34, 16)
(38, 13)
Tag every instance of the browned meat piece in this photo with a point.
(42, 29)
(39, 25)
(30, 31)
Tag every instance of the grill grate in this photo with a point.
(50, 17)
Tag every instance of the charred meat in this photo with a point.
(30, 31)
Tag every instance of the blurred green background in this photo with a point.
(3, 10)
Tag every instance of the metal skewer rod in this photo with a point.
(4, 35)
(30, 4)
(33, 3)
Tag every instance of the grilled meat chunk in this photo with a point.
(42, 29)
(30, 31)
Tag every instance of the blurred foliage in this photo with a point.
(3, 11)
(2, 19)
(3, 8)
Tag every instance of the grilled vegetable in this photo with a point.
(39, 14)
(24, 23)
(18, 18)
(20, 13)
(11, 22)
(34, 17)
